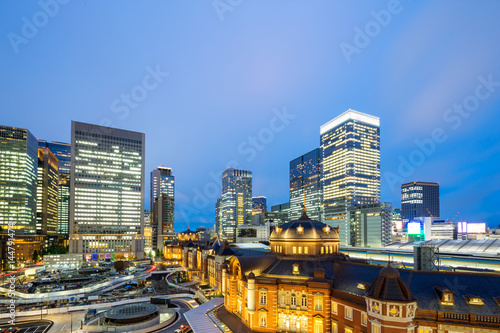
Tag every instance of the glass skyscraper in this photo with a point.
(162, 206)
(420, 199)
(350, 172)
(305, 178)
(18, 180)
(107, 192)
(259, 205)
(63, 153)
(47, 197)
(162, 182)
(236, 203)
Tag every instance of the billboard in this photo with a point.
(413, 228)
(476, 228)
(462, 227)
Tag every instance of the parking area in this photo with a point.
(41, 326)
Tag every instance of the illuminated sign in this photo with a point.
(413, 228)
(476, 228)
(462, 227)
(399, 225)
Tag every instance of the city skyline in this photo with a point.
(250, 94)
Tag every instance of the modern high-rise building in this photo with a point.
(217, 225)
(107, 192)
(420, 199)
(350, 163)
(162, 206)
(280, 214)
(305, 186)
(47, 196)
(162, 182)
(259, 205)
(63, 153)
(18, 180)
(236, 203)
(367, 225)
(163, 221)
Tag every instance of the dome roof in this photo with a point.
(305, 228)
(388, 285)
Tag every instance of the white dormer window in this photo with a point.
(295, 269)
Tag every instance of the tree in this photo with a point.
(36, 256)
(158, 253)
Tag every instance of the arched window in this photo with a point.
(263, 319)
(293, 300)
(304, 300)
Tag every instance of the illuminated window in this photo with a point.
(318, 325)
(335, 327)
(348, 330)
(318, 303)
(300, 249)
(304, 300)
(306, 249)
(348, 313)
(294, 249)
(263, 298)
(364, 318)
(376, 328)
(322, 250)
(263, 319)
(335, 307)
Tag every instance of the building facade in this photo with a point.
(162, 182)
(259, 205)
(18, 180)
(47, 197)
(107, 192)
(63, 153)
(420, 199)
(306, 285)
(280, 214)
(163, 221)
(305, 185)
(367, 225)
(350, 169)
(236, 202)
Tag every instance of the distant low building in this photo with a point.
(63, 261)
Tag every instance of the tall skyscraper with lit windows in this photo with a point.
(350, 173)
(18, 180)
(236, 202)
(162, 206)
(47, 196)
(107, 192)
(63, 153)
(305, 185)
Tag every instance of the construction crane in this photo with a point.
(454, 217)
(428, 211)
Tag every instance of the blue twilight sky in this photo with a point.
(249, 83)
